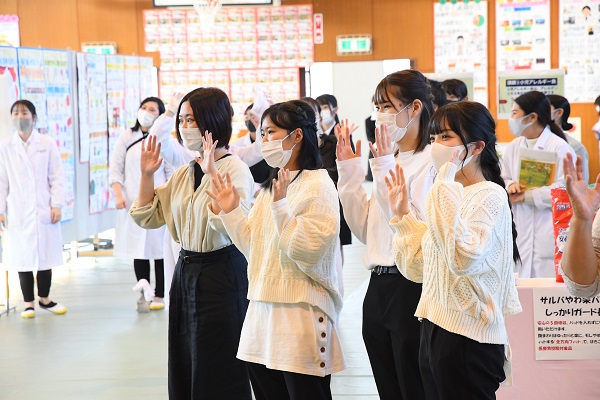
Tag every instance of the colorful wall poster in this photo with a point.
(565, 326)
(32, 83)
(579, 48)
(60, 119)
(115, 90)
(9, 85)
(99, 190)
(522, 35)
(83, 108)
(9, 30)
(132, 89)
(146, 78)
(513, 84)
(460, 36)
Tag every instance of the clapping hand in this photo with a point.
(383, 144)
(397, 192)
(585, 201)
(224, 193)
(150, 160)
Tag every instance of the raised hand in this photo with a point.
(150, 160)
(584, 201)
(207, 162)
(224, 193)
(383, 144)
(280, 185)
(343, 148)
(397, 192)
(175, 101)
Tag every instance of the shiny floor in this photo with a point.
(102, 349)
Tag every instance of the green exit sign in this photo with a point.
(99, 47)
(354, 44)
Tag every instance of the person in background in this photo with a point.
(32, 194)
(534, 128)
(210, 283)
(438, 93)
(327, 144)
(464, 252)
(131, 241)
(390, 330)
(580, 262)
(455, 90)
(290, 335)
(561, 110)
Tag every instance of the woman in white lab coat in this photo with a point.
(131, 241)
(31, 197)
(534, 128)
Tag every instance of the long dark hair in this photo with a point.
(161, 110)
(407, 86)
(331, 101)
(292, 115)
(212, 112)
(472, 122)
(561, 102)
(537, 102)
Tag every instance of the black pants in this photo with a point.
(142, 271)
(271, 384)
(44, 279)
(208, 306)
(391, 334)
(456, 367)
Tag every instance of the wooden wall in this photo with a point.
(400, 29)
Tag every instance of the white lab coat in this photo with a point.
(535, 234)
(131, 241)
(31, 184)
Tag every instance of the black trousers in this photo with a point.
(391, 334)
(271, 384)
(208, 306)
(44, 279)
(142, 271)
(456, 367)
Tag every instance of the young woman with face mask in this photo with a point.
(289, 338)
(131, 241)
(31, 197)
(560, 110)
(464, 252)
(390, 331)
(531, 123)
(208, 293)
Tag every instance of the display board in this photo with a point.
(9, 85)
(512, 84)
(32, 83)
(9, 30)
(522, 35)
(579, 48)
(460, 37)
(132, 89)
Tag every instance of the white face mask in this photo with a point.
(441, 154)
(274, 154)
(327, 117)
(192, 138)
(374, 115)
(394, 131)
(516, 126)
(22, 124)
(145, 118)
(598, 109)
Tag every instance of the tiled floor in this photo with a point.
(102, 349)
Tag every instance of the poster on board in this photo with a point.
(522, 35)
(513, 84)
(9, 84)
(460, 37)
(32, 83)
(579, 48)
(146, 78)
(9, 30)
(60, 120)
(83, 109)
(132, 89)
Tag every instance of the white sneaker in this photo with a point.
(144, 287)
(55, 308)
(29, 312)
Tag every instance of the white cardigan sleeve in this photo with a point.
(408, 252)
(353, 196)
(238, 229)
(56, 177)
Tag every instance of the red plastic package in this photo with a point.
(561, 215)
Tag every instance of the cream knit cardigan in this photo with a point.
(298, 265)
(462, 253)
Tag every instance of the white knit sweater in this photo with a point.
(463, 255)
(297, 264)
